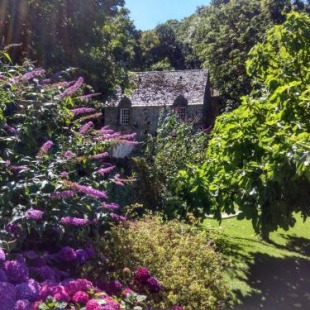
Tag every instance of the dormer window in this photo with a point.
(124, 116)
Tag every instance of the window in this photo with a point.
(125, 116)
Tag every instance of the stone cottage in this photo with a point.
(186, 92)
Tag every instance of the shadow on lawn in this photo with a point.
(284, 283)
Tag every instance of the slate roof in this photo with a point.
(158, 88)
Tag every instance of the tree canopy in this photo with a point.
(258, 160)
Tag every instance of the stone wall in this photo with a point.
(144, 120)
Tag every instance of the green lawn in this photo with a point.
(264, 275)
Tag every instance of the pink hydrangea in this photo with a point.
(93, 305)
(80, 297)
(142, 274)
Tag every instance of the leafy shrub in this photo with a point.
(176, 145)
(181, 256)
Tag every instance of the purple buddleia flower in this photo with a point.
(117, 180)
(45, 148)
(34, 214)
(64, 174)
(62, 195)
(99, 156)
(72, 89)
(74, 221)
(9, 129)
(87, 190)
(106, 170)
(68, 154)
(63, 84)
(87, 97)
(28, 290)
(118, 218)
(83, 110)
(46, 81)
(67, 254)
(19, 169)
(110, 206)
(32, 74)
(16, 271)
(177, 308)
(129, 136)
(7, 296)
(86, 127)
(105, 130)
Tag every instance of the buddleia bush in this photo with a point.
(54, 156)
(181, 256)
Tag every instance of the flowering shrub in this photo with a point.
(27, 284)
(180, 255)
(55, 168)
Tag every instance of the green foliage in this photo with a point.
(97, 37)
(179, 255)
(176, 145)
(258, 157)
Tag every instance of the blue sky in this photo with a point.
(146, 14)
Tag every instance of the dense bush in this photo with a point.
(180, 255)
(176, 145)
(258, 157)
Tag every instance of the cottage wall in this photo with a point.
(144, 120)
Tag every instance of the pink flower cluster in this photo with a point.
(87, 190)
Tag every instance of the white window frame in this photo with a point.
(124, 117)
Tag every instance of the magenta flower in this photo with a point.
(64, 174)
(9, 129)
(72, 89)
(177, 308)
(45, 148)
(78, 111)
(62, 295)
(110, 206)
(87, 190)
(93, 305)
(99, 156)
(62, 195)
(68, 154)
(114, 287)
(80, 297)
(106, 170)
(34, 214)
(67, 254)
(75, 221)
(86, 127)
(118, 218)
(153, 285)
(142, 274)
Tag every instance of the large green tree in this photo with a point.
(258, 160)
